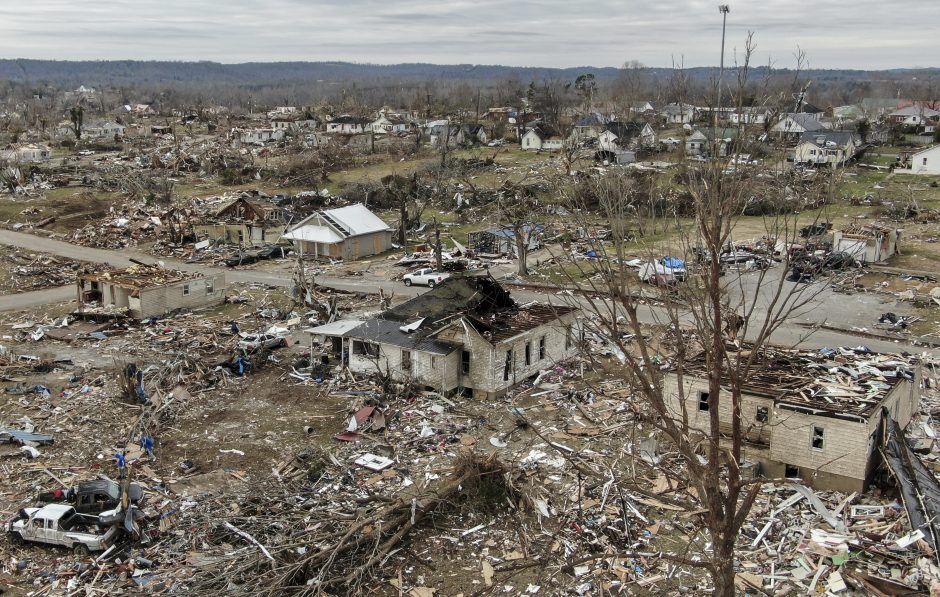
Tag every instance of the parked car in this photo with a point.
(254, 342)
(242, 258)
(497, 143)
(273, 252)
(60, 524)
(93, 497)
(425, 277)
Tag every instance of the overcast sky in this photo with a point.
(867, 34)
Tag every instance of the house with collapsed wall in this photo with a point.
(148, 291)
(813, 415)
(466, 334)
(868, 243)
(502, 241)
(244, 222)
(346, 233)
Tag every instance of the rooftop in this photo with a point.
(844, 382)
(140, 276)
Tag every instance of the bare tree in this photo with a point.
(712, 323)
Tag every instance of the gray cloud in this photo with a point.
(868, 34)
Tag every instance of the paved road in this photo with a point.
(836, 309)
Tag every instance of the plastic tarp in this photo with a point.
(920, 490)
(673, 262)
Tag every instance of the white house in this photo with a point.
(678, 113)
(868, 243)
(542, 139)
(795, 124)
(261, 136)
(105, 129)
(347, 125)
(294, 122)
(22, 154)
(829, 148)
(913, 115)
(621, 135)
(390, 123)
(750, 115)
(347, 233)
(925, 161)
(466, 334)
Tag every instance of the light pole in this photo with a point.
(724, 9)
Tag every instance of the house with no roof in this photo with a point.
(826, 148)
(812, 415)
(144, 291)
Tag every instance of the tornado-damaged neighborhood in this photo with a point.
(321, 309)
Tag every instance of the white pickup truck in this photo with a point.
(59, 524)
(425, 277)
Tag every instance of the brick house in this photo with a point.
(812, 415)
(466, 334)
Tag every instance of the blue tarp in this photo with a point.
(673, 262)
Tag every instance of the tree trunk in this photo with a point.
(403, 216)
(522, 253)
(723, 576)
(437, 247)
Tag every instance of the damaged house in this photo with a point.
(815, 415)
(346, 233)
(502, 241)
(868, 243)
(148, 290)
(244, 222)
(466, 334)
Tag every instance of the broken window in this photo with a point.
(762, 414)
(703, 401)
(433, 362)
(465, 361)
(507, 369)
(406, 360)
(542, 348)
(185, 289)
(568, 337)
(365, 348)
(791, 472)
(210, 287)
(528, 354)
(818, 440)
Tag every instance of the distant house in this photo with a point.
(589, 127)
(389, 123)
(471, 133)
(244, 221)
(261, 136)
(642, 108)
(295, 122)
(347, 125)
(614, 156)
(346, 233)
(103, 129)
(868, 243)
(913, 115)
(750, 115)
(502, 241)
(464, 335)
(678, 113)
(925, 161)
(795, 124)
(826, 148)
(701, 141)
(622, 135)
(501, 114)
(542, 138)
(27, 153)
(149, 291)
(281, 111)
(810, 109)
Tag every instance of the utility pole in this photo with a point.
(724, 9)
